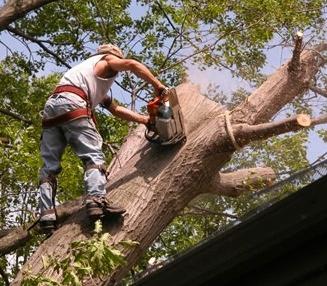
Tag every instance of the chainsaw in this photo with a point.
(166, 124)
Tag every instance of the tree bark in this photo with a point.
(235, 183)
(156, 183)
(11, 239)
(15, 9)
(227, 184)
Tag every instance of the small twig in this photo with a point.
(319, 158)
(122, 87)
(15, 116)
(102, 21)
(125, 89)
(7, 47)
(133, 93)
(113, 152)
(208, 212)
(167, 17)
(39, 43)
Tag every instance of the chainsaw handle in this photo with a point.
(164, 94)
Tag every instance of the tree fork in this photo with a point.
(280, 88)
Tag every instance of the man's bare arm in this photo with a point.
(126, 114)
(140, 70)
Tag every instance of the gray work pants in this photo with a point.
(82, 136)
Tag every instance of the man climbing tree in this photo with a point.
(153, 184)
(68, 119)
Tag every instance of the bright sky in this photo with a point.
(227, 83)
(275, 58)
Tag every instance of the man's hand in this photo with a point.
(150, 125)
(161, 91)
(164, 94)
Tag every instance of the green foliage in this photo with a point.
(232, 34)
(92, 258)
(19, 154)
(161, 34)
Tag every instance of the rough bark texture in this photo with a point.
(235, 183)
(227, 184)
(155, 183)
(15, 9)
(12, 239)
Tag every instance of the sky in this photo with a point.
(275, 58)
(227, 83)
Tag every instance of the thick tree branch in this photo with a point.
(13, 10)
(280, 88)
(294, 65)
(235, 183)
(15, 116)
(39, 43)
(227, 184)
(245, 133)
(12, 239)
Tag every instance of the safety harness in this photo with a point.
(71, 115)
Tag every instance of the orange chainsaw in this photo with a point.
(166, 124)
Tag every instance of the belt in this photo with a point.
(71, 115)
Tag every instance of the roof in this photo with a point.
(285, 244)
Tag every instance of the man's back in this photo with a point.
(83, 76)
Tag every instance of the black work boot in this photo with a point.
(97, 207)
(47, 222)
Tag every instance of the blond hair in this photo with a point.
(110, 49)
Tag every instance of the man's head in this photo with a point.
(110, 49)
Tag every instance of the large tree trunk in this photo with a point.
(15, 9)
(155, 183)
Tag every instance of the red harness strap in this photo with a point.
(71, 115)
(73, 89)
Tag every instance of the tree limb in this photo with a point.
(11, 239)
(227, 184)
(235, 183)
(282, 87)
(294, 64)
(15, 116)
(39, 43)
(13, 10)
(247, 133)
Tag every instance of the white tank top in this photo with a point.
(82, 75)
